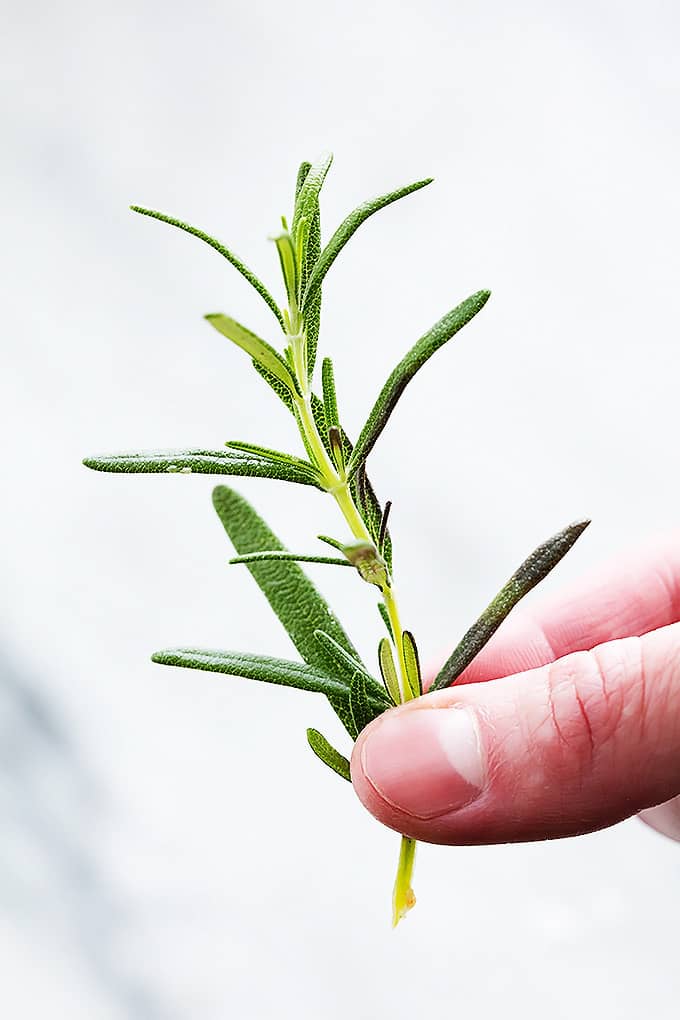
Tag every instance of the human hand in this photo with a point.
(576, 727)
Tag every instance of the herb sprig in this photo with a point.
(330, 664)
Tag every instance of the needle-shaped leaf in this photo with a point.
(328, 755)
(258, 349)
(412, 663)
(337, 448)
(388, 669)
(312, 311)
(348, 666)
(276, 455)
(279, 388)
(330, 400)
(288, 263)
(371, 512)
(275, 554)
(307, 201)
(335, 542)
(363, 710)
(301, 175)
(382, 609)
(532, 571)
(202, 462)
(252, 279)
(254, 667)
(345, 231)
(290, 593)
(382, 535)
(428, 344)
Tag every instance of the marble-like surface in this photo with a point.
(169, 849)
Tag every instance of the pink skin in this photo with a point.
(576, 727)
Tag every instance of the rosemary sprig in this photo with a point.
(330, 664)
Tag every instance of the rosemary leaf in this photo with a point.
(290, 593)
(202, 462)
(328, 755)
(330, 400)
(382, 534)
(278, 456)
(276, 554)
(382, 609)
(534, 569)
(259, 350)
(412, 664)
(254, 667)
(319, 414)
(312, 311)
(435, 338)
(279, 388)
(388, 669)
(345, 231)
(371, 512)
(362, 711)
(301, 175)
(307, 201)
(253, 280)
(288, 262)
(348, 666)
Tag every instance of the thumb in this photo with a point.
(560, 750)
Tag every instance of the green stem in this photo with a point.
(403, 897)
(338, 486)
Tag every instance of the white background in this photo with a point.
(170, 849)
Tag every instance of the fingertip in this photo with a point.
(416, 764)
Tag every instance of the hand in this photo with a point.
(576, 726)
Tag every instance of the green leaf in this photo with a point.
(279, 388)
(335, 542)
(388, 669)
(225, 252)
(278, 456)
(312, 312)
(370, 510)
(382, 535)
(275, 554)
(346, 229)
(382, 609)
(258, 349)
(319, 415)
(328, 755)
(532, 571)
(362, 710)
(290, 593)
(201, 462)
(288, 262)
(270, 670)
(348, 666)
(412, 664)
(301, 175)
(435, 338)
(337, 447)
(307, 201)
(330, 400)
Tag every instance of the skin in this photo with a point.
(568, 721)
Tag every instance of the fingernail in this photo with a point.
(426, 761)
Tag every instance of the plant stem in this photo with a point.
(403, 897)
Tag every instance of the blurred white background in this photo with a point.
(170, 849)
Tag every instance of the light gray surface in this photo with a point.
(169, 848)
